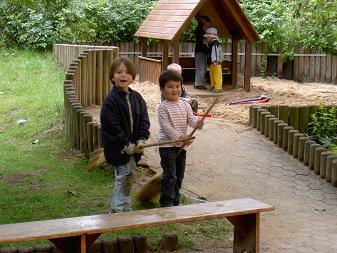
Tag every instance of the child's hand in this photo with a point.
(187, 142)
(129, 149)
(139, 148)
(200, 123)
(215, 63)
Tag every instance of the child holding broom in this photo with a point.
(125, 126)
(174, 115)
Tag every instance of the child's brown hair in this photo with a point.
(169, 75)
(130, 66)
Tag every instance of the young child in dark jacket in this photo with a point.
(125, 126)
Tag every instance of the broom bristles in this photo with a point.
(96, 159)
(150, 189)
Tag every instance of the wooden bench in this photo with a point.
(72, 235)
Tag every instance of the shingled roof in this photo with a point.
(169, 18)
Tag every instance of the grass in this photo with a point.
(47, 180)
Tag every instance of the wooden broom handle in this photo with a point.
(203, 118)
(166, 142)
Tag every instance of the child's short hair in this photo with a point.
(175, 67)
(169, 75)
(130, 66)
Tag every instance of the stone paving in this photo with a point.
(232, 161)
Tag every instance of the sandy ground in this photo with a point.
(279, 92)
(205, 168)
(211, 149)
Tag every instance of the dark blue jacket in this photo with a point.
(116, 125)
(200, 46)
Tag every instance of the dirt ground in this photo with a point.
(279, 91)
(229, 118)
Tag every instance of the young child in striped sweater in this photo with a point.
(174, 115)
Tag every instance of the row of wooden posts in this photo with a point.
(87, 83)
(122, 244)
(294, 141)
(127, 244)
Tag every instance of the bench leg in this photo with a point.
(75, 244)
(246, 233)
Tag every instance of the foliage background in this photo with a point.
(280, 23)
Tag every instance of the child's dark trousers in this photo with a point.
(173, 175)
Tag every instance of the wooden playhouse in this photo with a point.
(166, 22)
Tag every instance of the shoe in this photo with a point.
(217, 91)
(201, 87)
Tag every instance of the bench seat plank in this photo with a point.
(97, 224)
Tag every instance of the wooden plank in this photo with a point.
(246, 233)
(148, 59)
(300, 66)
(279, 68)
(258, 61)
(317, 69)
(163, 23)
(295, 65)
(96, 224)
(323, 69)
(234, 66)
(306, 62)
(143, 43)
(171, 18)
(334, 69)
(165, 55)
(158, 30)
(253, 61)
(328, 69)
(312, 69)
(248, 61)
(173, 6)
(174, 12)
(160, 36)
(175, 57)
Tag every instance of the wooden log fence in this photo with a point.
(65, 54)
(292, 140)
(307, 66)
(86, 84)
(139, 244)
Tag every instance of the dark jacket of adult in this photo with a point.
(199, 40)
(116, 124)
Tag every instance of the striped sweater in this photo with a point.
(174, 118)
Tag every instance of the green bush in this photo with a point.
(280, 23)
(40, 24)
(323, 127)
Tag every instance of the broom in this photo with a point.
(97, 159)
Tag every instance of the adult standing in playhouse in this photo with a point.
(200, 53)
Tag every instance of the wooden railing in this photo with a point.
(149, 69)
(65, 54)
(86, 85)
(307, 65)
